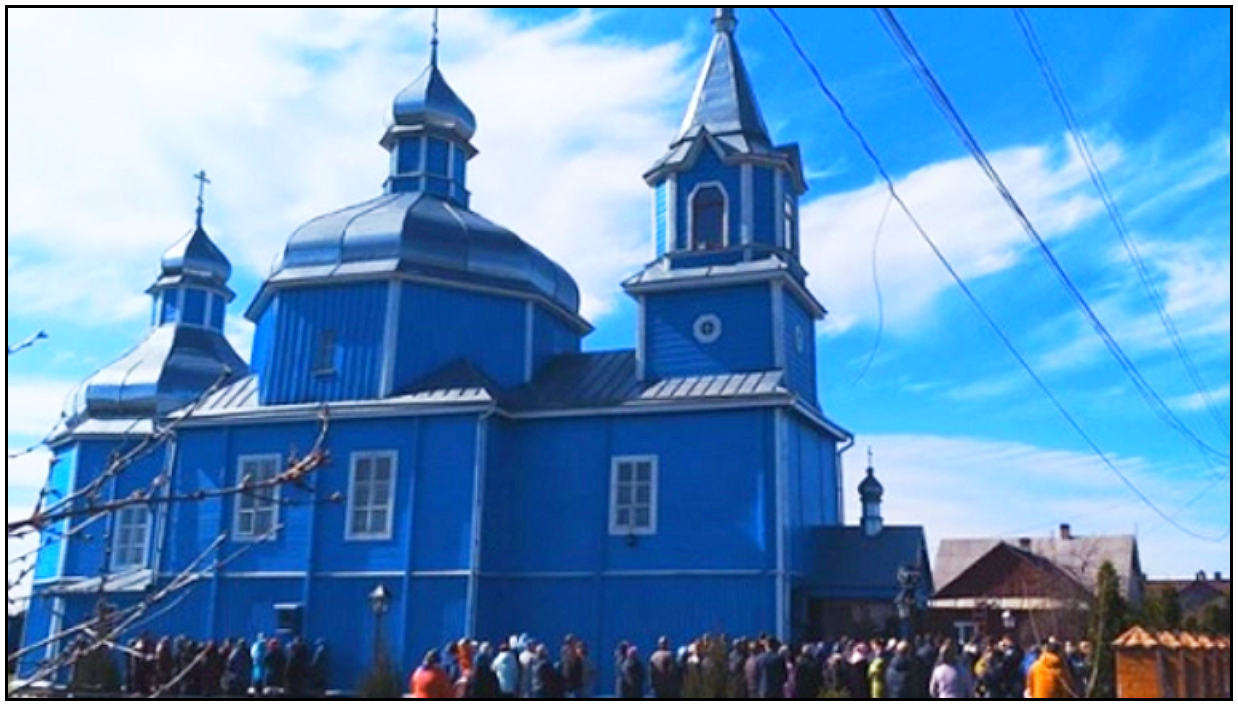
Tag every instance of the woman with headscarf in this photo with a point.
(632, 675)
(949, 680)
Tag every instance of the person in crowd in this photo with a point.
(318, 668)
(631, 675)
(711, 649)
(737, 686)
(902, 675)
(570, 667)
(876, 675)
(211, 669)
(257, 657)
(834, 671)
(664, 674)
(274, 662)
(483, 684)
(752, 668)
(588, 670)
(772, 671)
(297, 670)
(1049, 677)
(527, 656)
(1011, 679)
(238, 670)
(165, 664)
(429, 680)
(949, 679)
(547, 679)
(807, 675)
(462, 652)
(856, 684)
(507, 671)
(986, 673)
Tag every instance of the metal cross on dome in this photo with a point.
(202, 182)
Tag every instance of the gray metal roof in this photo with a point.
(428, 100)
(195, 259)
(723, 102)
(1081, 556)
(169, 368)
(422, 235)
(872, 562)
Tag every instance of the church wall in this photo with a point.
(439, 325)
(812, 488)
(746, 342)
(715, 490)
(551, 337)
(706, 169)
(354, 314)
(763, 211)
(59, 479)
(800, 344)
(660, 218)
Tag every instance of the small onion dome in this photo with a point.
(429, 101)
(195, 259)
(870, 487)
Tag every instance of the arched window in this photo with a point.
(708, 218)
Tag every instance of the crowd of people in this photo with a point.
(183, 667)
(715, 667)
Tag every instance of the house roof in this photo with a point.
(1080, 555)
(1001, 573)
(872, 562)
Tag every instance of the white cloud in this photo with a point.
(1198, 401)
(959, 209)
(968, 487)
(34, 404)
(27, 471)
(116, 108)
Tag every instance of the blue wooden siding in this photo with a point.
(812, 487)
(59, 478)
(551, 336)
(708, 168)
(439, 326)
(801, 364)
(263, 349)
(563, 471)
(746, 343)
(355, 313)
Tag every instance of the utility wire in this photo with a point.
(917, 63)
(971, 297)
(1119, 224)
(881, 313)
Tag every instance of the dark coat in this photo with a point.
(237, 671)
(808, 678)
(902, 678)
(664, 675)
(632, 678)
(547, 682)
(318, 668)
(772, 674)
(573, 669)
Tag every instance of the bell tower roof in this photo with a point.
(723, 102)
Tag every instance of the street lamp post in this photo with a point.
(905, 601)
(380, 598)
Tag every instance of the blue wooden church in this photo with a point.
(490, 476)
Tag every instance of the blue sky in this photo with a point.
(111, 111)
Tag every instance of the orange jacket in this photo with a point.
(1047, 678)
(430, 683)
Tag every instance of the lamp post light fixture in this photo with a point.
(380, 599)
(1008, 620)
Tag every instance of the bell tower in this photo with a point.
(725, 292)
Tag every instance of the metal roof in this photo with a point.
(428, 100)
(421, 235)
(872, 561)
(723, 102)
(1081, 556)
(168, 369)
(195, 259)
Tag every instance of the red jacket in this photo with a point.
(430, 682)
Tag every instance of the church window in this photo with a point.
(708, 214)
(371, 492)
(130, 536)
(457, 165)
(257, 508)
(324, 355)
(707, 328)
(436, 156)
(195, 307)
(788, 224)
(634, 495)
(170, 305)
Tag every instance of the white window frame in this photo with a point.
(726, 214)
(117, 564)
(272, 492)
(964, 630)
(788, 224)
(349, 534)
(322, 367)
(617, 529)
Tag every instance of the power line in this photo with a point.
(881, 314)
(971, 297)
(1119, 224)
(917, 63)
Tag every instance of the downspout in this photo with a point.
(838, 477)
(479, 490)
